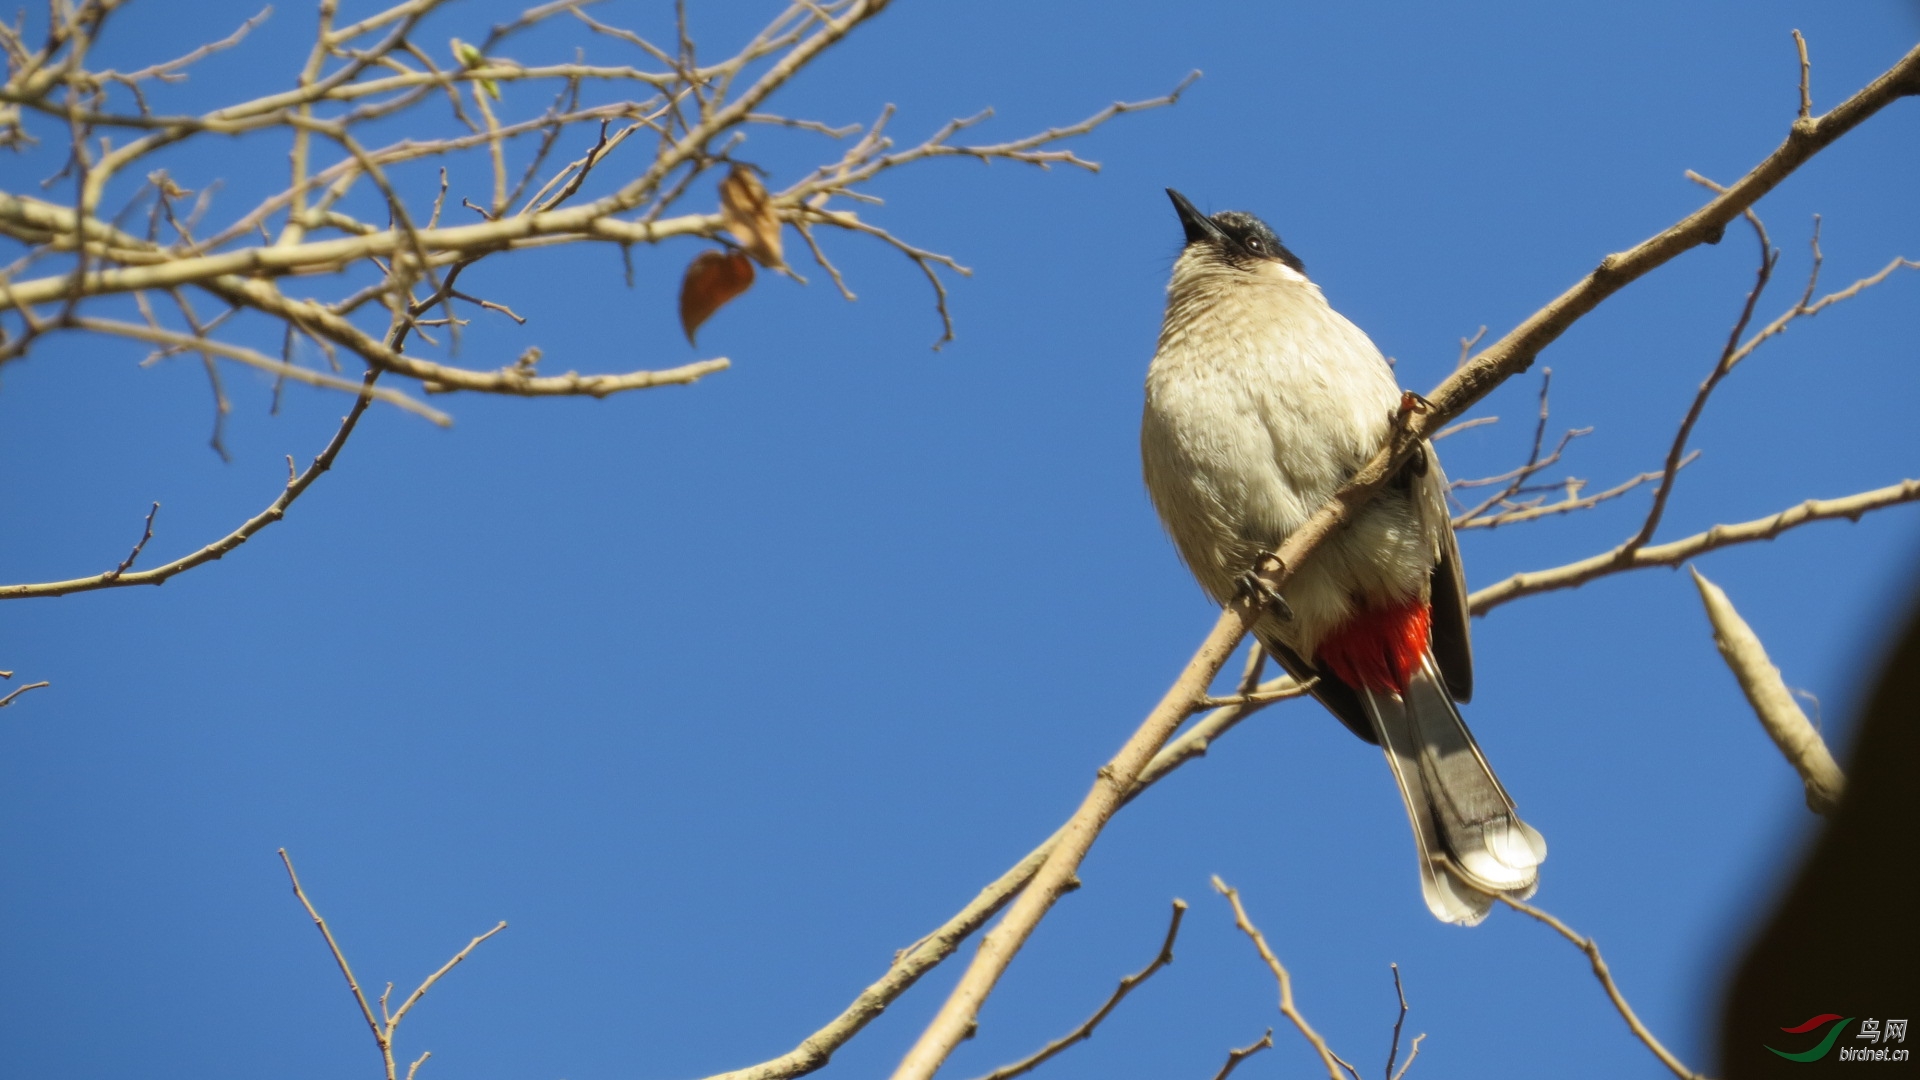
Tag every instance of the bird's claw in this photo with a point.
(1253, 587)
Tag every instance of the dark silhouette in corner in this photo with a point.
(1843, 946)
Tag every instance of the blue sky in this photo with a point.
(719, 695)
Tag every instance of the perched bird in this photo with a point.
(1261, 402)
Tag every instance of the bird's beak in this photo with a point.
(1197, 224)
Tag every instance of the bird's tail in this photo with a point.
(1472, 844)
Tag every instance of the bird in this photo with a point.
(1261, 402)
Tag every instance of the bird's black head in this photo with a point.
(1239, 238)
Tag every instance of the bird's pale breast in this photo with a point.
(1261, 401)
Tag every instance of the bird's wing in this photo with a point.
(1452, 643)
(1340, 699)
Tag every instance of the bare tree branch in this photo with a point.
(1464, 425)
(1675, 552)
(134, 331)
(277, 509)
(1393, 1048)
(1484, 516)
(1085, 1030)
(126, 564)
(1729, 355)
(924, 955)
(1602, 973)
(1413, 1051)
(373, 70)
(385, 1025)
(1334, 1062)
(333, 949)
(1806, 76)
(378, 71)
(8, 700)
(1570, 501)
(1235, 1057)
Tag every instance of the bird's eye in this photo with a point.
(1256, 245)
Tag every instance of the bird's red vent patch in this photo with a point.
(1379, 648)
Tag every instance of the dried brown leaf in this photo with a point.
(713, 278)
(748, 215)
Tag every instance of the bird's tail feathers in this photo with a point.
(1472, 844)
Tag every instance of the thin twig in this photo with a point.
(126, 564)
(1675, 552)
(1255, 697)
(1413, 1051)
(820, 257)
(914, 961)
(922, 258)
(256, 359)
(414, 998)
(170, 70)
(1393, 1048)
(275, 511)
(8, 700)
(385, 1026)
(828, 130)
(1466, 347)
(1806, 77)
(339, 957)
(1235, 1057)
(1600, 972)
(1333, 1062)
(1729, 356)
(1250, 675)
(1464, 425)
(1085, 1030)
(1516, 480)
(1571, 501)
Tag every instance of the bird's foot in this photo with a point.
(1253, 587)
(1411, 403)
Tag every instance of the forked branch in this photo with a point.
(1333, 1062)
(924, 955)
(385, 1024)
(373, 70)
(1675, 552)
(345, 220)
(297, 485)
